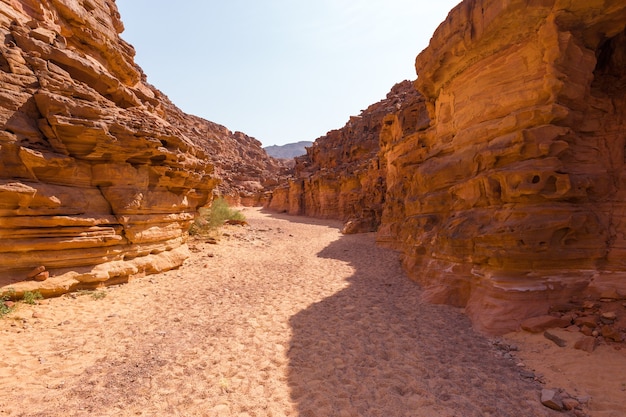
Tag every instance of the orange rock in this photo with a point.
(541, 323)
(341, 176)
(32, 274)
(512, 183)
(99, 172)
(587, 343)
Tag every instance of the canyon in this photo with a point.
(498, 174)
(101, 174)
(501, 179)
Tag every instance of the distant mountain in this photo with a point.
(288, 151)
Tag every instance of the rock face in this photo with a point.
(245, 170)
(341, 175)
(513, 197)
(100, 177)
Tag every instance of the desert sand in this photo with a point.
(283, 317)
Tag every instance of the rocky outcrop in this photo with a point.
(245, 170)
(341, 176)
(100, 174)
(513, 197)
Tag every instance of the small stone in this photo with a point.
(589, 321)
(609, 295)
(556, 339)
(595, 333)
(42, 276)
(587, 343)
(551, 399)
(541, 323)
(32, 274)
(573, 328)
(588, 305)
(610, 333)
(9, 304)
(570, 403)
(609, 315)
(38, 315)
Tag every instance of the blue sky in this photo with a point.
(281, 71)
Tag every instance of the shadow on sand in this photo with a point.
(374, 349)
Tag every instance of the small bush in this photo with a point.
(4, 308)
(98, 295)
(30, 297)
(214, 216)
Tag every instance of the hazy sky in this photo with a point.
(279, 70)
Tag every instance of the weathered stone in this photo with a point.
(511, 200)
(588, 321)
(36, 271)
(551, 399)
(587, 331)
(541, 323)
(341, 176)
(570, 403)
(610, 333)
(609, 315)
(42, 276)
(555, 338)
(100, 174)
(586, 343)
(610, 294)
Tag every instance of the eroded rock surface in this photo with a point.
(502, 181)
(100, 174)
(513, 198)
(341, 176)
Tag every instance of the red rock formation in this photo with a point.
(513, 198)
(341, 177)
(245, 170)
(100, 175)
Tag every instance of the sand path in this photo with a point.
(286, 317)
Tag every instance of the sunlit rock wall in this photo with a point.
(341, 176)
(96, 186)
(513, 198)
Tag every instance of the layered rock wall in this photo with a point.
(341, 176)
(513, 198)
(100, 174)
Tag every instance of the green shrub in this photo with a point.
(4, 308)
(210, 218)
(30, 297)
(98, 295)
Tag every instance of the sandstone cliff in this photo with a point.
(514, 196)
(100, 174)
(341, 176)
(503, 181)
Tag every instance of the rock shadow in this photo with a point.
(374, 349)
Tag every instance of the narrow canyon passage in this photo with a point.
(285, 317)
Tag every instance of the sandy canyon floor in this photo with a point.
(284, 317)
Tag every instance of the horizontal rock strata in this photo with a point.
(341, 176)
(100, 174)
(513, 198)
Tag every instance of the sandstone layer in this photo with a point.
(501, 180)
(341, 176)
(100, 174)
(513, 198)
